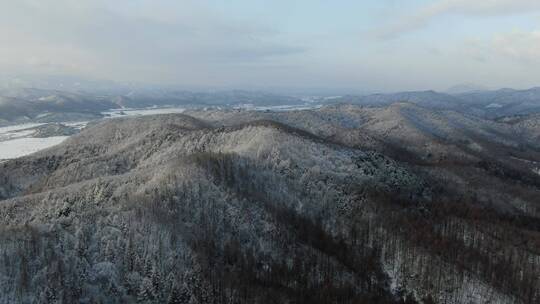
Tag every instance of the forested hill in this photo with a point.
(318, 206)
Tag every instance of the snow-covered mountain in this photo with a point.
(38, 105)
(348, 204)
(482, 103)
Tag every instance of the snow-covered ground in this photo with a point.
(17, 140)
(140, 112)
(151, 111)
(78, 125)
(278, 108)
(535, 166)
(23, 146)
(494, 105)
(17, 131)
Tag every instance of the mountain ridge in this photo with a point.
(341, 203)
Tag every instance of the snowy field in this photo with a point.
(17, 140)
(281, 108)
(140, 112)
(17, 131)
(23, 146)
(78, 125)
(152, 111)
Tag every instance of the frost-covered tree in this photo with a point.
(146, 292)
(180, 295)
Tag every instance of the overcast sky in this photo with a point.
(374, 45)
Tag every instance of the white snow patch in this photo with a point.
(475, 146)
(17, 131)
(141, 112)
(19, 127)
(43, 115)
(27, 130)
(281, 108)
(23, 146)
(393, 276)
(332, 97)
(77, 125)
(17, 134)
(494, 105)
(534, 169)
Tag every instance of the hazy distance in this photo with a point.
(360, 46)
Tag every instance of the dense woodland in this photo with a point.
(182, 212)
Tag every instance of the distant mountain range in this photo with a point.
(40, 105)
(30, 104)
(489, 104)
(465, 88)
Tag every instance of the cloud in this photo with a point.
(517, 50)
(423, 16)
(144, 39)
(520, 46)
(195, 43)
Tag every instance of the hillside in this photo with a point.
(251, 206)
(481, 103)
(431, 136)
(429, 99)
(473, 153)
(24, 105)
(39, 105)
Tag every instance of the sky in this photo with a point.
(368, 45)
